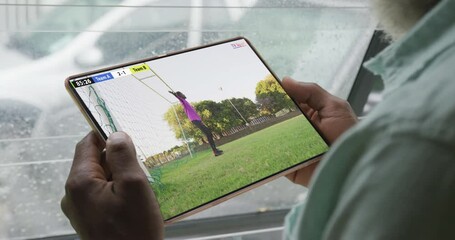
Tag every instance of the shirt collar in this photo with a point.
(405, 59)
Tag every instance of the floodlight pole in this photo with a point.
(221, 89)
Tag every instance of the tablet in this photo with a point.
(208, 123)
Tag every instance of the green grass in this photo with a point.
(190, 182)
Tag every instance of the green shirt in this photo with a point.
(392, 176)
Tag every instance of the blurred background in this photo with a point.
(44, 41)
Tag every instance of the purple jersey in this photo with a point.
(189, 110)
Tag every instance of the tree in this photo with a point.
(218, 116)
(210, 113)
(271, 97)
(173, 118)
(246, 108)
(205, 109)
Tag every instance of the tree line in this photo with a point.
(221, 116)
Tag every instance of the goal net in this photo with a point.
(136, 104)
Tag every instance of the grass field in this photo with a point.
(190, 182)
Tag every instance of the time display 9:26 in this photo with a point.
(82, 82)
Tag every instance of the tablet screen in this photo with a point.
(206, 122)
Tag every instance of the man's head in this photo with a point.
(180, 94)
(397, 17)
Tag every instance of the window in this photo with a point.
(44, 41)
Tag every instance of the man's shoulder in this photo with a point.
(421, 106)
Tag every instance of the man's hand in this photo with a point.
(330, 114)
(108, 195)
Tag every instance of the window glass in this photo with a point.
(39, 43)
(42, 42)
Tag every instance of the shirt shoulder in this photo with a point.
(380, 185)
(422, 105)
(401, 189)
(410, 131)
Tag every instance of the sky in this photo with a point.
(200, 74)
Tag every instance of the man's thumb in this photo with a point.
(121, 158)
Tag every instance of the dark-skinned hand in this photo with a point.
(107, 195)
(330, 114)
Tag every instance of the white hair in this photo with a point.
(397, 17)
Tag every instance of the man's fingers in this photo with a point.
(308, 93)
(64, 206)
(122, 160)
(87, 156)
(105, 167)
(303, 176)
(306, 109)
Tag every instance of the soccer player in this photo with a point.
(196, 120)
